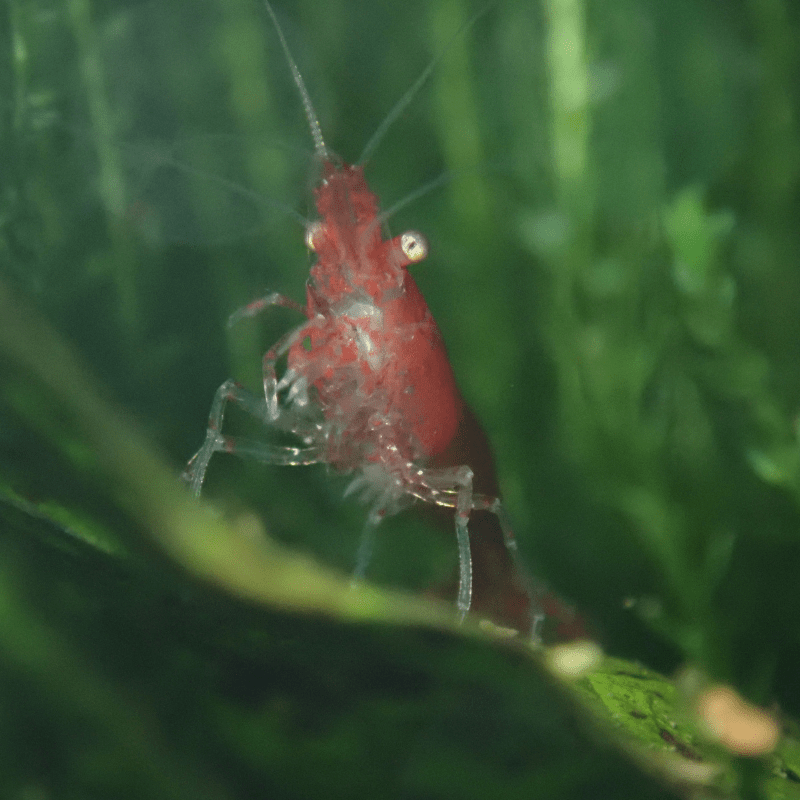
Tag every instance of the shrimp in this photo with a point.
(368, 388)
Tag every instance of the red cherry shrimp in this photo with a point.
(368, 388)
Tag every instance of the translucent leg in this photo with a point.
(386, 498)
(298, 393)
(366, 545)
(272, 387)
(451, 487)
(273, 454)
(257, 306)
(431, 487)
(463, 508)
(215, 442)
(464, 598)
(496, 507)
(482, 502)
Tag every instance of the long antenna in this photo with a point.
(311, 114)
(400, 106)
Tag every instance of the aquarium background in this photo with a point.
(612, 213)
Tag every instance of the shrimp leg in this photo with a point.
(452, 487)
(215, 442)
(462, 480)
(257, 306)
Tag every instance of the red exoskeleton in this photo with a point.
(369, 390)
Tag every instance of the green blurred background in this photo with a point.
(614, 267)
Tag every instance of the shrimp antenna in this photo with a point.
(409, 198)
(401, 105)
(311, 115)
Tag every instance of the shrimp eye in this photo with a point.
(312, 231)
(414, 246)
